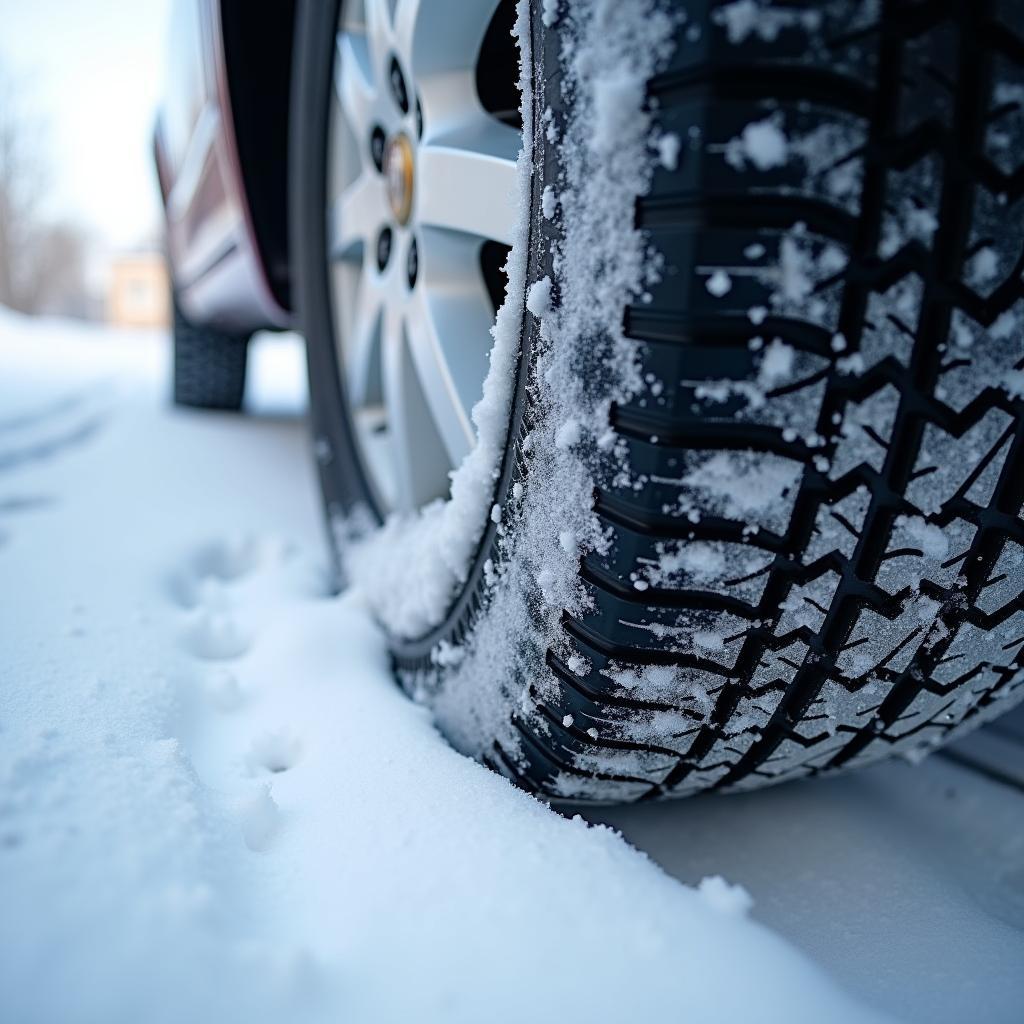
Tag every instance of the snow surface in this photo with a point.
(214, 802)
(906, 882)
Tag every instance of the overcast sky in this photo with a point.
(93, 70)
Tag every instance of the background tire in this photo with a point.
(878, 605)
(209, 366)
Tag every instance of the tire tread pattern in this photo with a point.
(882, 643)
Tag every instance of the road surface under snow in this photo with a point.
(215, 805)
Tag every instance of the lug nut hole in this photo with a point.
(398, 89)
(412, 264)
(384, 242)
(378, 141)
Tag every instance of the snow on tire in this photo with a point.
(756, 510)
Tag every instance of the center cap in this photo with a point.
(398, 175)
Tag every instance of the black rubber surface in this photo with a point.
(348, 497)
(209, 366)
(879, 607)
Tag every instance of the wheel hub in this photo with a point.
(398, 174)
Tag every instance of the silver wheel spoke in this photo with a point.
(379, 34)
(467, 181)
(357, 215)
(353, 80)
(442, 329)
(363, 354)
(441, 35)
(418, 454)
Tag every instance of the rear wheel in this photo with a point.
(209, 366)
(779, 531)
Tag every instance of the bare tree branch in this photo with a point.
(41, 263)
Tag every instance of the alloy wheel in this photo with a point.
(420, 210)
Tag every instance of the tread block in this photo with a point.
(919, 550)
(974, 648)
(890, 323)
(1006, 581)
(992, 260)
(865, 432)
(806, 606)
(838, 526)
(911, 214)
(980, 357)
(945, 462)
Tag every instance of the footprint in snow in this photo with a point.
(201, 582)
(273, 752)
(216, 636)
(229, 558)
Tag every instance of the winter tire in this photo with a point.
(783, 533)
(209, 366)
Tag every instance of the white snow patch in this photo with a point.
(724, 897)
(761, 143)
(744, 18)
(795, 278)
(568, 434)
(851, 365)
(538, 300)
(669, 145)
(719, 283)
(742, 483)
(983, 267)
(548, 202)
(618, 93)
(932, 539)
(776, 364)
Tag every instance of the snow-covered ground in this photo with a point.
(215, 805)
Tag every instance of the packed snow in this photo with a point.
(215, 803)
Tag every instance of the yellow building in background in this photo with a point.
(139, 292)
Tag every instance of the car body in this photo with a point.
(220, 145)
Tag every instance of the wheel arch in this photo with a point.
(257, 55)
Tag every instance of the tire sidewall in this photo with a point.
(345, 489)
